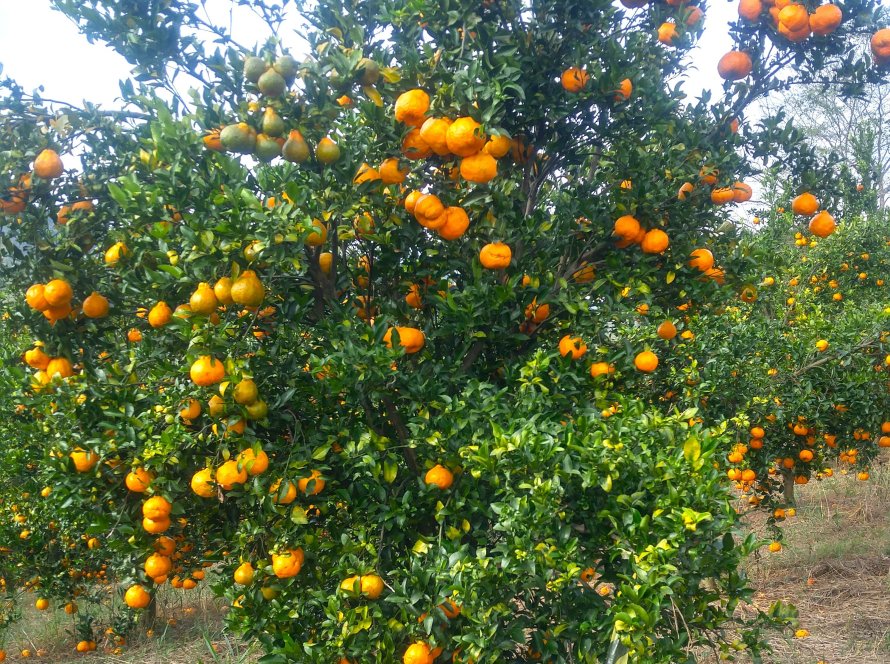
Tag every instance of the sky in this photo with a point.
(73, 69)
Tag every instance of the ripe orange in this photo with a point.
(417, 653)
(35, 298)
(734, 66)
(134, 335)
(429, 211)
(59, 366)
(741, 192)
(667, 33)
(248, 290)
(655, 241)
(574, 79)
(391, 172)
(48, 165)
(750, 10)
(667, 330)
(243, 575)
(805, 205)
(722, 195)
(456, 223)
(495, 256)
(115, 253)
(439, 476)
(159, 315)
(825, 19)
(414, 147)
(206, 371)
(601, 369)
(164, 545)
(646, 361)
(371, 586)
(288, 563)
(411, 339)
(157, 565)
(95, 306)
(156, 507)
(36, 358)
(498, 146)
(84, 461)
(572, 347)
(41, 604)
(312, 485)
(137, 597)
(626, 227)
(228, 475)
(138, 480)
(479, 168)
(822, 225)
(434, 133)
(287, 497)
(702, 259)
(203, 301)
(465, 137)
(57, 293)
(624, 91)
(411, 107)
(880, 46)
(202, 483)
(255, 463)
(794, 17)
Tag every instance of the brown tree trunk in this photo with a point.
(788, 479)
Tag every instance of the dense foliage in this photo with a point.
(374, 329)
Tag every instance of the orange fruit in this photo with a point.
(667, 330)
(646, 361)
(741, 192)
(255, 463)
(138, 480)
(495, 256)
(479, 168)
(702, 259)
(667, 33)
(434, 133)
(572, 347)
(456, 223)
(750, 10)
(805, 205)
(202, 483)
(35, 298)
(57, 293)
(115, 253)
(465, 137)
(157, 565)
(655, 241)
(498, 146)
(206, 371)
(83, 460)
(159, 315)
(822, 225)
(95, 306)
(287, 497)
(411, 107)
(48, 165)
(439, 476)
(574, 79)
(825, 19)
(248, 290)
(414, 147)
(288, 563)
(391, 172)
(203, 300)
(36, 358)
(734, 66)
(243, 575)
(229, 474)
(137, 597)
(626, 227)
(429, 211)
(417, 653)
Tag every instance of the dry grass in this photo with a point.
(835, 567)
(189, 630)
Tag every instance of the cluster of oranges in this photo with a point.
(793, 20)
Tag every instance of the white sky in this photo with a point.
(71, 69)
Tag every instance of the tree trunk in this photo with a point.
(788, 479)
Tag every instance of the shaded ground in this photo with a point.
(835, 567)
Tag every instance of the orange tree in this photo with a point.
(367, 330)
(799, 355)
